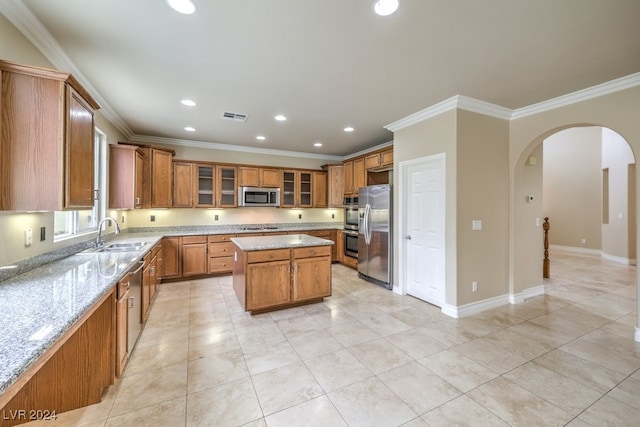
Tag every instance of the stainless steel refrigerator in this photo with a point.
(375, 234)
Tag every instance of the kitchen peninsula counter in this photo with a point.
(274, 272)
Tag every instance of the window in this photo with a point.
(68, 224)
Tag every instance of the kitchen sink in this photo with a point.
(118, 247)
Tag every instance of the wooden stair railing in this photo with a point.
(546, 264)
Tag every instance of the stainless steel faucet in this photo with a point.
(99, 241)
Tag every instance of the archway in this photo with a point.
(527, 211)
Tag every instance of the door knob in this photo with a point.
(407, 237)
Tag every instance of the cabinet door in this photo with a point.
(249, 177)
(268, 284)
(319, 189)
(348, 177)
(305, 194)
(311, 278)
(270, 177)
(139, 179)
(170, 257)
(146, 291)
(182, 185)
(125, 176)
(359, 175)
(386, 157)
(122, 332)
(288, 197)
(161, 177)
(372, 161)
(79, 153)
(194, 259)
(227, 189)
(335, 183)
(205, 185)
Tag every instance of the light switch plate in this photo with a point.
(476, 224)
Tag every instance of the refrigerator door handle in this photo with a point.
(367, 228)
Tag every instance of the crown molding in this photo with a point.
(21, 17)
(369, 150)
(606, 88)
(146, 139)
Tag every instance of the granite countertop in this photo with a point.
(261, 243)
(42, 298)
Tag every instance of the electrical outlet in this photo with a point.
(333, 216)
(43, 234)
(474, 286)
(215, 217)
(153, 218)
(122, 220)
(583, 241)
(28, 237)
(299, 216)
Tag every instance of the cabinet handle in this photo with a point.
(137, 200)
(130, 302)
(138, 269)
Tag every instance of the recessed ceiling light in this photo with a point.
(318, 144)
(185, 7)
(385, 7)
(188, 103)
(190, 129)
(260, 138)
(280, 118)
(348, 129)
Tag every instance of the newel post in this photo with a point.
(546, 267)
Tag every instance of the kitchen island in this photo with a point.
(275, 272)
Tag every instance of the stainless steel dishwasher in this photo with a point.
(135, 305)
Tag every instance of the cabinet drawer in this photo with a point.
(187, 240)
(220, 238)
(264, 256)
(221, 265)
(312, 251)
(323, 234)
(220, 249)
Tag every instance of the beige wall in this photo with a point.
(483, 194)
(572, 187)
(617, 111)
(433, 136)
(618, 238)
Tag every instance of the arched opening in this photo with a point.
(583, 177)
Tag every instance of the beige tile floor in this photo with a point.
(368, 357)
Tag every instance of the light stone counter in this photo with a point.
(261, 243)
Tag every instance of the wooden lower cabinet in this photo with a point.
(311, 273)
(278, 278)
(329, 235)
(268, 284)
(72, 374)
(171, 262)
(195, 261)
(122, 325)
(220, 252)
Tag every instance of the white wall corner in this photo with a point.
(520, 297)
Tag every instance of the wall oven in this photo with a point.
(350, 243)
(351, 213)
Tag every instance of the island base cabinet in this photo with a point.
(311, 278)
(268, 284)
(74, 374)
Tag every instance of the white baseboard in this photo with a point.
(475, 307)
(618, 259)
(576, 250)
(520, 297)
(637, 335)
(487, 304)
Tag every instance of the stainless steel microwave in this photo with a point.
(255, 196)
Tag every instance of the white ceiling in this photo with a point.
(326, 64)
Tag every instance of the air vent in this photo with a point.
(234, 116)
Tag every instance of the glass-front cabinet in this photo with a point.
(297, 189)
(227, 188)
(205, 175)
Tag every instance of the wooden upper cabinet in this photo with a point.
(47, 140)
(259, 177)
(354, 175)
(126, 167)
(319, 189)
(380, 160)
(158, 178)
(205, 185)
(226, 186)
(335, 185)
(183, 178)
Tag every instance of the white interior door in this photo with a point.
(424, 230)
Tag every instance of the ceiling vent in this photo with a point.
(237, 117)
